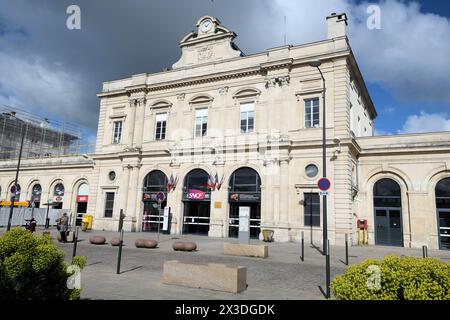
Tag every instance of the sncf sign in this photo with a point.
(194, 194)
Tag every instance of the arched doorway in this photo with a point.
(388, 213)
(36, 192)
(82, 202)
(58, 196)
(443, 213)
(154, 182)
(244, 194)
(197, 202)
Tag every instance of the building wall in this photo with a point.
(277, 81)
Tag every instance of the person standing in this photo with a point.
(63, 224)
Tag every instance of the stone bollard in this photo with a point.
(97, 239)
(146, 243)
(184, 246)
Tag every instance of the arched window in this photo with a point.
(155, 181)
(36, 195)
(387, 193)
(15, 190)
(245, 180)
(197, 179)
(443, 212)
(59, 190)
(83, 189)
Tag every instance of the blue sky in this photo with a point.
(393, 112)
(55, 72)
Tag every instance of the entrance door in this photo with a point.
(152, 216)
(196, 217)
(388, 227)
(255, 219)
(81, 210)
(444, 229)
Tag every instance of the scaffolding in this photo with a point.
(44, 138)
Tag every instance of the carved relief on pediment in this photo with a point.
(205, 53)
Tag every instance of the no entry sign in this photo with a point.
(324, 184)
(160, 197)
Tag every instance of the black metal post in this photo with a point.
(424, 252)
(327, 267)
(346, 249)
(159, 218)
(120, 220)
(13, 198)
(119, 258)
(47, 220)
(302, 257)
(324, 162)
(75, 241)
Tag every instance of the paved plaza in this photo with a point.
(281, 276)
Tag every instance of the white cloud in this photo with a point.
(426, 122)
(408, 56)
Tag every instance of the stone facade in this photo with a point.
(213, 79)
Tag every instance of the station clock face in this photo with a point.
(206, 26)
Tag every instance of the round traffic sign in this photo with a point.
(160, 196)
(324, 184)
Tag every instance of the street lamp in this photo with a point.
(317, 64)
(47, 220)
(14, 194)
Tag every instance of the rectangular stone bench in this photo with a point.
(207, 276)
(247, 250)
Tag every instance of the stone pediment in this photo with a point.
(211, 43)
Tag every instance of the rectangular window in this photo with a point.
(117, 132)
(160, 132)
(312, 113)
(247, 117)
(201, 122)
(312, 210)
(109, 204)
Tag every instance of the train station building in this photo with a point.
(221, 130)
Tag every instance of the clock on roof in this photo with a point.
(206, 25)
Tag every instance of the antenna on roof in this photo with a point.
(284, 30)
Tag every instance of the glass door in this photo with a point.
(444, 229)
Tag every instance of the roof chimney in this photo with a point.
(337, 25)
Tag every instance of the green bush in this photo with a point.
(401, 278)
(32, 267)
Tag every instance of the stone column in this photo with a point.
(123, 194)
(130, 221)
(131, 122)
(284, 192)
(139, 123)
(218, 216)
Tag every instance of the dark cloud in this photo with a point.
(48, 69)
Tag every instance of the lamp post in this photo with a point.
(47, 220)
(317, 64)
(13, 198)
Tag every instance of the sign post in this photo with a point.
(324, 185)
(244, 225)
(160, 197)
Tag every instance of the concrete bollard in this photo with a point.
(211, 276)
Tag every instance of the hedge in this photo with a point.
(33, 268)
(400, 278)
